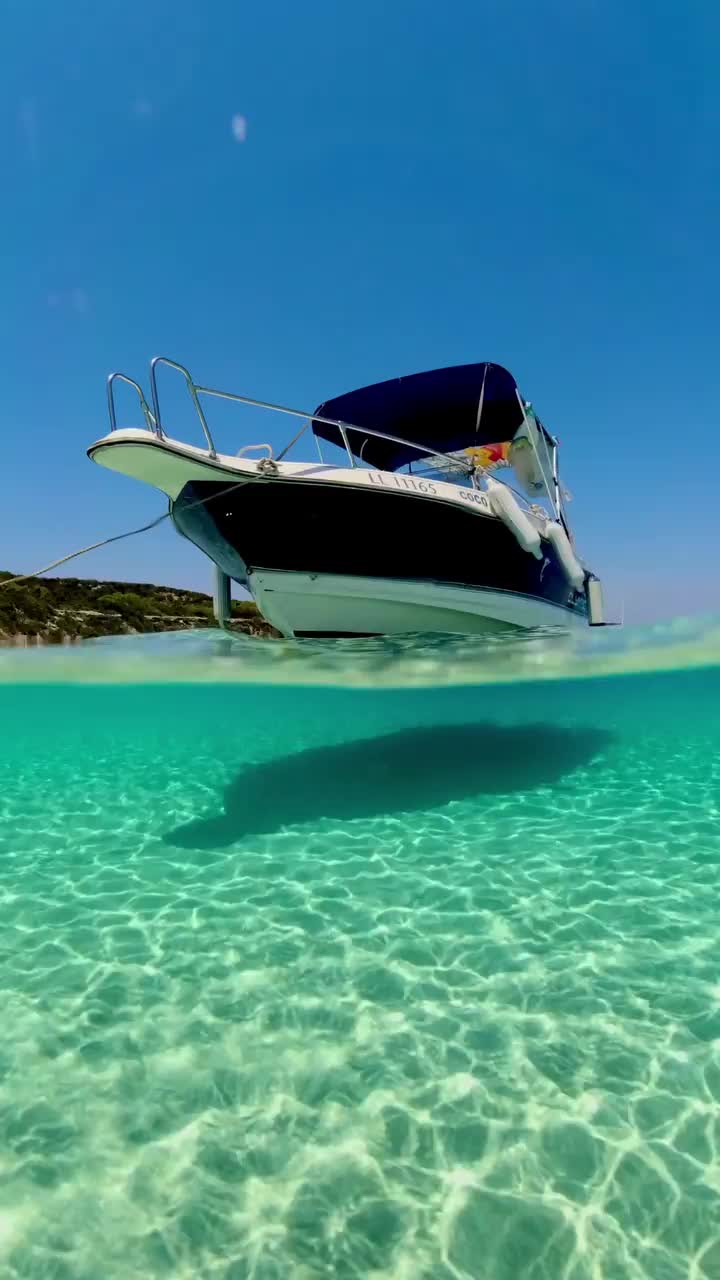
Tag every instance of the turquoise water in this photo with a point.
(302, 980)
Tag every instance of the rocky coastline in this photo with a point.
(55, 611)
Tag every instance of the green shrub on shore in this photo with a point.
(57, 608)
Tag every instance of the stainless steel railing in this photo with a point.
(121, 377)
(153, 419)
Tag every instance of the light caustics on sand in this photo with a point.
(386, 983)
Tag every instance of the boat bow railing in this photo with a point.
(150, 422)
(153, 418)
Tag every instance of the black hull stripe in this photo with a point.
(370, 533)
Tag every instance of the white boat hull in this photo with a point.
(351, 551)
(334, 604)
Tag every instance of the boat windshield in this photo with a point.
(427, 468)
(524, 461)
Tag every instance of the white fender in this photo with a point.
(505, 507)
(569, 562)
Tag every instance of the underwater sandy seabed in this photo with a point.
(304, 982)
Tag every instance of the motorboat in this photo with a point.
(434, 505)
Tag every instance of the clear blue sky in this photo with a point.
(419, 184)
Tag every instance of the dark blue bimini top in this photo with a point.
(438, 410)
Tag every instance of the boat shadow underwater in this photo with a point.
(407, 771)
